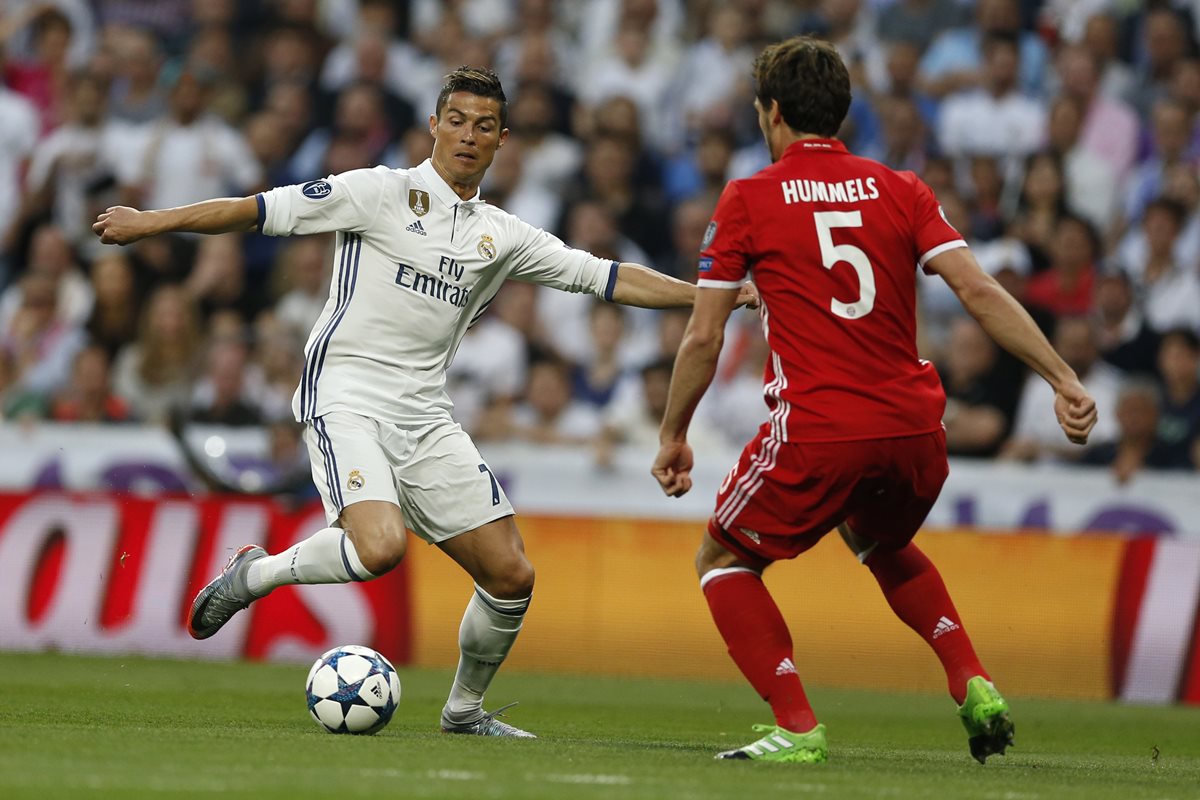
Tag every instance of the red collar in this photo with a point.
(814, 146)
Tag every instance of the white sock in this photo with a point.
(489, 628)
(328, 556)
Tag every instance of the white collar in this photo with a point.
(438, 186)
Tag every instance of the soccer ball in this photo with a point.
(352, 689)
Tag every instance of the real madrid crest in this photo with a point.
(418, 201)
(355, 481)
(487, 247)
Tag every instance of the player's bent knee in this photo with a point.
(380, 548)
(513, 580)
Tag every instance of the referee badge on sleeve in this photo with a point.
(418, 201)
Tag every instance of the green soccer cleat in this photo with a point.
(780, 744)
(985, 716)
(487, 725)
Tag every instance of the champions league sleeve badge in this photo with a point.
(487, 247)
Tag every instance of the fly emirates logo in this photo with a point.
(851, 191)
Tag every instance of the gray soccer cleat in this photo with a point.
(225, 594)
(487, 725)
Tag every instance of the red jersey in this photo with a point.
(833, 241)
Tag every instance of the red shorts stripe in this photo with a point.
(791, 494)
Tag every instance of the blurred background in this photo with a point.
(145, 391)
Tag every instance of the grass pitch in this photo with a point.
(130, 728)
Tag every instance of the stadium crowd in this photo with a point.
(1062, 139)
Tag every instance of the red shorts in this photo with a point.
(782, 497)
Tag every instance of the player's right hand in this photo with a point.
(1076, 411)
(120, 225)
(673, 468)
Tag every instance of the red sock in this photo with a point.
(761, 645)
(915, 591)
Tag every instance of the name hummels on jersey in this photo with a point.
(850, 191)
(435, 286)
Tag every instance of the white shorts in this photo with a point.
(434, 473)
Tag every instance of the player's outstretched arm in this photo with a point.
(641, 286)
(124, 225)
(1013, 329)
(695, 365)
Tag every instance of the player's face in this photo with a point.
(466, 137)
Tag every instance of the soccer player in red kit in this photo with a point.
(854, 439)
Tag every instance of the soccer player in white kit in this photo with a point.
(419, 257)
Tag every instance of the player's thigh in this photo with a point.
(782, 498)
(446, 488)
(888, 510)
(349, 462)
(494, 556)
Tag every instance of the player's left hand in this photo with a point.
(673, 468)
(747, 296)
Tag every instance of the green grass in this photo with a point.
(97, 727)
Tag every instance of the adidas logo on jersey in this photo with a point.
(786, 667)
(417, 227)
(944, 626)
(751, 535)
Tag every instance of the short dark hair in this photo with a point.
(1185, 336)
(474, 80)
(808, 79)
(1176, 210)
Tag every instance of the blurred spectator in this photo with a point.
(272, 377)
(113, 322)
(737, 408)
(596, 380)
(1066, 287)
(77, 156)
(1136, 444)
(1102, 39)
(954, 62)
(136, 95)
(904, 142)
(359, 120)
(995, 118)
(603, 21)
(1179, 421)
(50, 255)
(640, 72)
(980, 398)
(1091, 181)
(688, 223)
(715, 66)
(40, 76)
(1125, 339)
(550, 158)
(548, 414)
(1168, 292)
(220, 395)
(506, 187)
(1040, 207)
(917, 22)
(189, 154)
(302, 273)
(488, 373)
(89, 396)
(1164, 41)
(18, 135)
(1171, 137)
(903, 59)
(538, 47)
(1036, 434)
(154, 373)
(608, 176)
(41, 342)
(637, 422)
(1110, 127)
(987, 189)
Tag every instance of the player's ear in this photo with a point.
(775, 113)
(433, 124)
(503, 138)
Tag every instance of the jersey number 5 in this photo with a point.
(832, 253)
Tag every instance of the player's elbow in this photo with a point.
(977, 292)
(703, 342)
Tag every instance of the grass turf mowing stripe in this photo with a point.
(133, 728)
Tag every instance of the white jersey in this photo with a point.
(415, 266)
